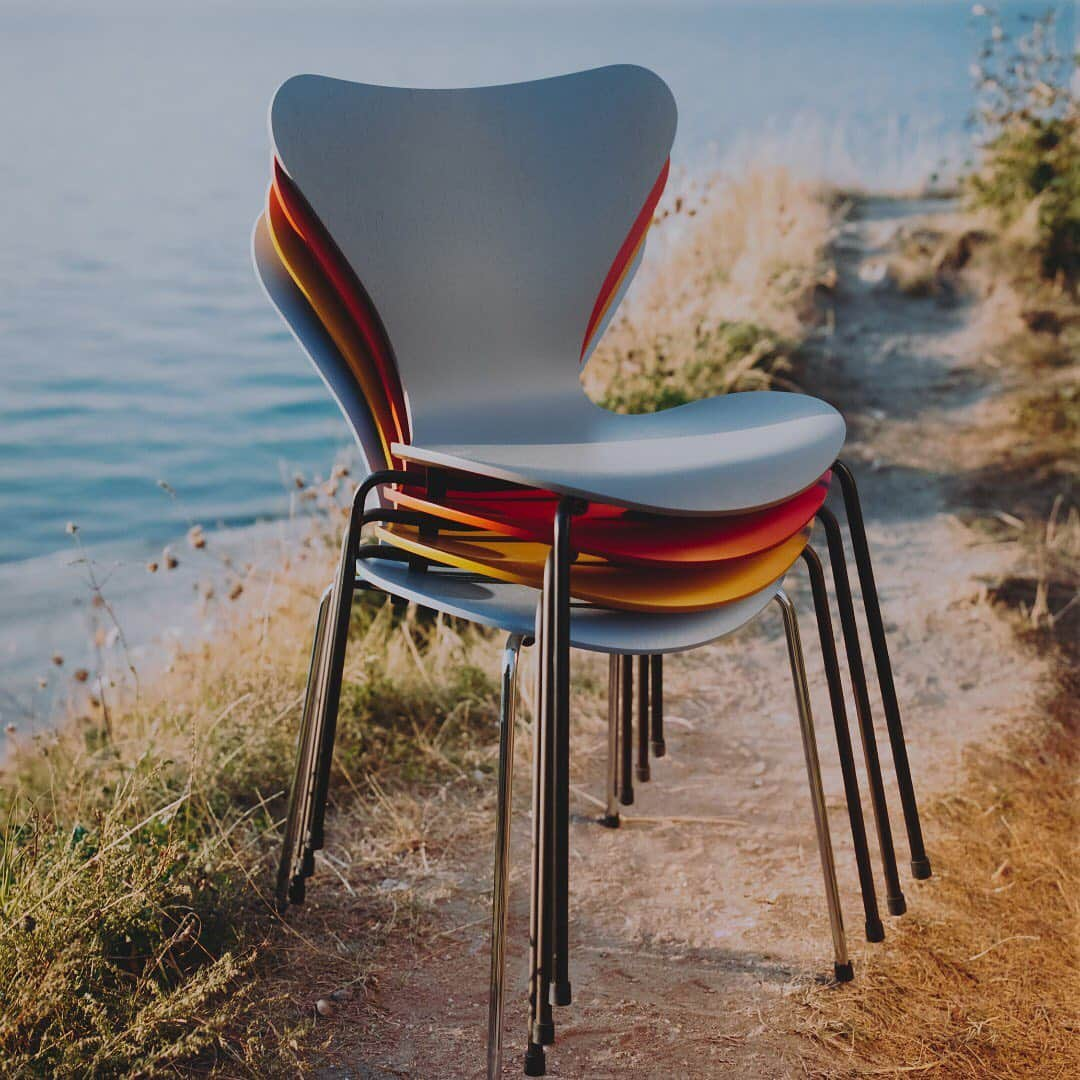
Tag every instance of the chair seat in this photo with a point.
(723, 455)
(512, 608)
(693, 587)
(622, 536)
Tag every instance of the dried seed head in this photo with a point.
(236, 591)
(196, 537)
(81, 674)
(71, 528)
(170, 560)
(57, 659)
(299, 481)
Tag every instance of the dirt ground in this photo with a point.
(690, 940)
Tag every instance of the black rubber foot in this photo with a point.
(535, 1065)
(920, 868)
(561, 994)
(542, 1034)
(627, 800)
(642, 774)
(658, 749)
(843, 972)
(307, 865)
(609, 821)
(875, 931)
(296, 890)
(897, 905)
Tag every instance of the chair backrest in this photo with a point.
(484, 223)
(307, 328)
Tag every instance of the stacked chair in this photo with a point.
(449, 259)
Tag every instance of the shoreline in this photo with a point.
(50, 610)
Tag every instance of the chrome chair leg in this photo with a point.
(841, 963)
(295, 823)
(641, 772)
(610, 818)
(894, 893)
(920, 864)
(874, 929)
(499, 892)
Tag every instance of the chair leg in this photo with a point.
(339, 635)
(894, 894)
(920, 864)
(874, 929)
(300, 789)
(499, 889)
(841, 963)
(560, 648)
(626, 733)
(656, 663)
(642, 770)
(541, 1024)
(610, 818)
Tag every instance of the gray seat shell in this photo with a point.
(482, 223)
(513, 609)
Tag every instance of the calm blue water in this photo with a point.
(134, 343)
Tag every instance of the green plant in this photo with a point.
(1029, 175)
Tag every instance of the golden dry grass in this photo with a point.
(982, 979)
(728, 296)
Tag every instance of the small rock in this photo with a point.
(325, 1007)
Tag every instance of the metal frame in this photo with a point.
(501, 877)
(920, 863)
(549, 905)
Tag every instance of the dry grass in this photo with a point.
(727, 298)
(981, 979)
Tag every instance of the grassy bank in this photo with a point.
(138, 837)
(982, 982)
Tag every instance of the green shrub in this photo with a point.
(1029, 175)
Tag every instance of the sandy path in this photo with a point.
(687, 939)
